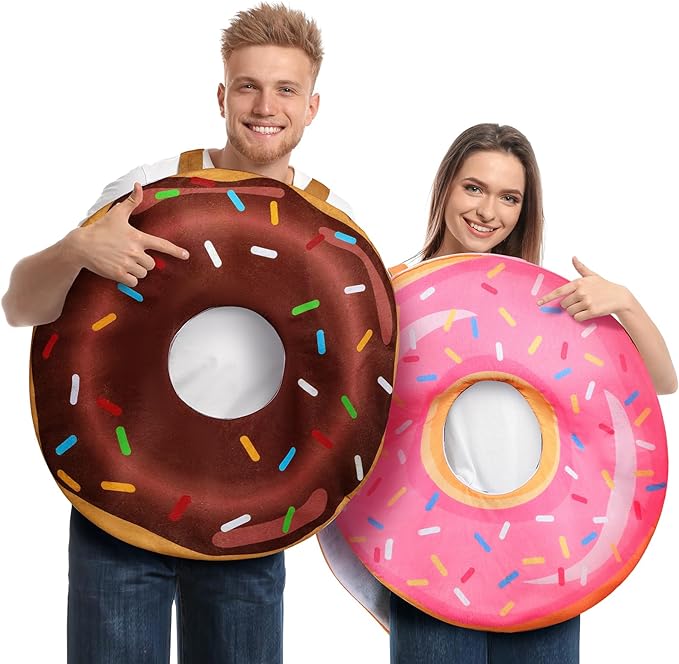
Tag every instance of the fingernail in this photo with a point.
(540, 302)
(185, 254)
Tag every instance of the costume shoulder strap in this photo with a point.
(317, 189)
(190, 161)
(397, 269)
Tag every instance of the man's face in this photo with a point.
(267, 101)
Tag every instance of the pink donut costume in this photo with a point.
(563, 540)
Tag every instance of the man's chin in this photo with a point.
(262, 156)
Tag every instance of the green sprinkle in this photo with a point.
(168, 193)
(123, 442)
(288, 519)
(307, 306)
(349, 406)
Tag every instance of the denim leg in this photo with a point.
(558, 644)
(231, 612)
(119, 599)
(417, 638)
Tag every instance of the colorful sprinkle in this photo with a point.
(288, 519)
(376, 554)
(590, 390)
(68, 480)
(373, 486)
(574, 403)
(66, 445)
(616, 553)
(467, 575)
(439, 565)
(563, 373)
(361, 538)
(432, 530)
(461, 596)
(508, 579)
(509, 605)
(234, 523)
(412, 338)
(493, 272)
(417, 582)
(384, 384)
(489, 288)
(123, 442)
(637, 510)
(348, 406)
(130, 292)
(545, 518)
(427, 293)
(349, 239)
(396, 496)
(630, 399)
(563, 543)
(103, 322)
(411, 358)
(273, 213)
(623, 363)
(375, 524)
(482, 542)
(657, 487)
(606, 429)
(357, 288)
(47, 350)
(320, 342)
(504, 530)
(583, 575)
(249, 448)
(179, 508)
(160, 263)
(358, 463)
(589, 538)
(475, 327)
(594, 359)
(109, 406)
(578, 443)
(600, 519)
(307, 387)
(564, 350)
(536, 286)
(588, 330)
(237, 203)
(167, 193)
(607, 478)
(75, 389)
(287, 459)
(571, 472)
(426, 378)
(403, 427)
(323, 440)
(507, 316)
(314, 241)
(535, 344)
(306, 306)
(364, 340)
(642, 417)
(449, 321)
(645, 445)
(537, 560)
(431, 502)
(122, 487)
(551, 310)
(453, 355)
(578, 499)
(562, 576)
(499, 352)
(263, 252)
(401, 457)
(388, 548)
(212, 253)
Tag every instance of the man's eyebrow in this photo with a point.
(253, 79)
(481, 183)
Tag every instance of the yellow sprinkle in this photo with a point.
(538, 560)
(67, 479)
(506, 608)
(507, 316)
(118, 486)
(249, 448)
(574, 403)
(495, 271)
(534, 345)
(594, 359)
(439, 565)
(364, 340)
(644, 414)
(362, 538)
(644, 473)
(616, 553)
(607, 479)
(564, 547)
(449, 320)
(273, 209)
(396, 496)
(453, 355)
(103, 322)
(418, 582)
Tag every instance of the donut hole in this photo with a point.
(226, 362)
(492, 439)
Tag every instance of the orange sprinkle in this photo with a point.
(68, 480)
(364, 340)
(103, 322)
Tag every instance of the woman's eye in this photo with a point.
(472, 188)
(511, 199)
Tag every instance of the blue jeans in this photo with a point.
(416, 637)
(120, 602)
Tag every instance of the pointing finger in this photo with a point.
(566, 289)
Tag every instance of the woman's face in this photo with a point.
(484, 202)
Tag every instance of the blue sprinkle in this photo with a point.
(475, 328)
(508, 579)
(320, 342)
(66, 445)
(237, 203)
(349, 239)
(375, 524)
(563, 373)
(630, 399)
(656, 487)
(432, 501)
(551, 310)
(577, 441)
(288, 458)
(586, 540)
(426, 378)
(482, 542)
(131, 292)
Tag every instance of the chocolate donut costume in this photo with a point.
(146, 467)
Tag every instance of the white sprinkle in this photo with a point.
(583, 576)
(359, 467)
(412, 338)
(461, 596)
(600, 519)
(262, 251)
(498, 351)
(403, 427)
(212, 253)
(590, 390)
(388, 548)
(428, 293)
(358, 288)
(384, 384)
(571, 472)
(545, 518)
(234, 523)
(429, 531)
(75, 388)
(588, 330)
(537, 284)
(645, 445)
(401, 456)
(307, 387)
(505, 530)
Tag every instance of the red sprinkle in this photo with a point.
(606, 428)
(49, 345)
(637, 510)
(562, 577)
(323, 440)
(314, 241)
(411, 358)
(204, 182)
(376, 554)
(179, 508)
(489, 288)
(374, 486)
(623, 363)
(109, 406)
(580, 499)
(564, 350)
(467, 575)
(160, 263)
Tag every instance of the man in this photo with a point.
(120, 596)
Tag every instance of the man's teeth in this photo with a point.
(481, 229)
(265, 130)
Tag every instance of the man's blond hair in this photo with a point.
(274, 25)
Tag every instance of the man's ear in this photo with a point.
(314, 102)
(221, 93)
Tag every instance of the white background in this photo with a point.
(92, 89)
